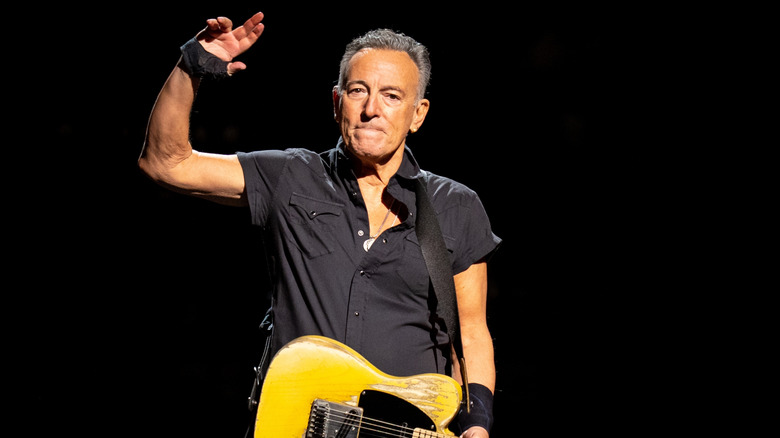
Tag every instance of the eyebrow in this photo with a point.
(384, 88)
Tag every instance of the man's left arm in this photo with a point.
(471, 290)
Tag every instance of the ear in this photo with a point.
(336, 104)
(419, 114)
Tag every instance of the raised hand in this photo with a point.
(221, 40)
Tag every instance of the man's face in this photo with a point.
(379, 104)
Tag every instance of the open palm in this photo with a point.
(221, 40)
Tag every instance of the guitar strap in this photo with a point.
(439, 266)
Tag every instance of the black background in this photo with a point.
(141, 313)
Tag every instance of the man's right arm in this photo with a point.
(167, 156)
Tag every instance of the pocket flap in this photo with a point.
(315, 207)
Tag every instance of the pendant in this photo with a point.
(367, 244)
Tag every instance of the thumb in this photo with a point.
(235, 66)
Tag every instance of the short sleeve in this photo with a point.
(262, 172)
(477, 240)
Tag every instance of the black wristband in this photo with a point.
(201, 64)
(481, 410)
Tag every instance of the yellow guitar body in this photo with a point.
(317, 368)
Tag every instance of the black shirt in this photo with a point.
(324, 281)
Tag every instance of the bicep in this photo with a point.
(216, 177)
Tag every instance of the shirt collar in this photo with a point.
(409, 168)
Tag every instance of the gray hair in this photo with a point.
(389, 40)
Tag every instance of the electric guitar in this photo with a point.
(316, 387)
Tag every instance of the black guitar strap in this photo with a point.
(437, 260)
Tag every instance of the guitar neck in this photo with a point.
(422, 433)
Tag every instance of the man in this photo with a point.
(340, 225)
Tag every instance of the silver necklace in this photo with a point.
(370, 241)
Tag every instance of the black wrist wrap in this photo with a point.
(201, 64)
(481, 409)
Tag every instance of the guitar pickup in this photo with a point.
(333, 420)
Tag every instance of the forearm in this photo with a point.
(477, 343)
(471, 289)
(481, 374)
(478, 354)
(167, 136)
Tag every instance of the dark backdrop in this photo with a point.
(148, 318)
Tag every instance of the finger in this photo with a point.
(212, 28)
(252, 36)
(254, 20)
(225, 24)
(251, 28)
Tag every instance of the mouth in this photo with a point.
(368, 132)
(368, 128)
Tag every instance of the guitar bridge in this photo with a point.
(333, 420)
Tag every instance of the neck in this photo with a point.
(376, 171)
(375, 175)
(373, 191)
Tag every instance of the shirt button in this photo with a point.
(361, 232)
(362, 272)
(357, 313)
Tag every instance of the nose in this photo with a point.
(370, 107)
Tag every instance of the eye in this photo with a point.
(355, 91)
(393, 98)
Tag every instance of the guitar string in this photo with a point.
(390, 429)
(368, 421)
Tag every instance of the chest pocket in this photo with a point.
(311, 223)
